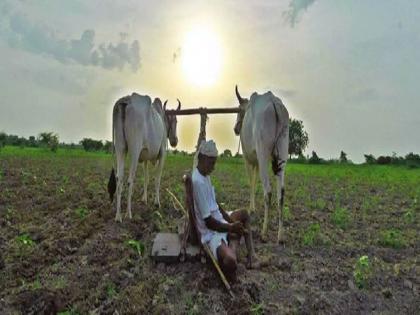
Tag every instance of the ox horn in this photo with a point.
(179, 104)
(164, 105)
(240, 99)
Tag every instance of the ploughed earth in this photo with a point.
(62, 251)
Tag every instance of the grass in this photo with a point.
(14, 151)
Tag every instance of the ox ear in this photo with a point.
(164, 105)
(179, 105)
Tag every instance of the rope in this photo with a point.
(239, 146)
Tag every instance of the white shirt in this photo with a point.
(205, 204)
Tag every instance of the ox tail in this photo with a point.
(118, 108)
(276, 162)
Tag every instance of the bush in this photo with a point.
(384, 160)
(226, 153)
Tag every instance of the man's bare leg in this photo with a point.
(227, 260)
(243, 216)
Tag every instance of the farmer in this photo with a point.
(219, 229)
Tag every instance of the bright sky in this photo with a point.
(349, 69)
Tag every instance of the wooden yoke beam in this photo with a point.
(202, 110)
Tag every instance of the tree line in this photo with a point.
(50, 140)
(298, 142)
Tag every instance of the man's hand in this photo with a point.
(237, 227)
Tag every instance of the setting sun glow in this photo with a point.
(201, 57)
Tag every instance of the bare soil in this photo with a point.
(78, 261)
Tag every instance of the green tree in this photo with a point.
(315, 159)
(3, 139)
(369, 159)
(298, 137)
(49, 140)
(91, 145)
(343, 157)
(107, 146)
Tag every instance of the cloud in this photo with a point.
(38, 38)
(295, 7)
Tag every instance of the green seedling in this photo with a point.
(137, 246)
(71, 311)
(341, 218)
(25, 240)
(392, 238)
(320, 204)
(287, 215)
(111, 290)
(311, 233)
(409, 216)
(257, 309)
(362, 272)
(82, 212)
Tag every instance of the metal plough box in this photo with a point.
(166, 248)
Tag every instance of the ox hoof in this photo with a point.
(281, 239)
(264, 238)
(118, 218)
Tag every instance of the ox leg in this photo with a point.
(281, 162)
(280, 204)
(120, 177)
(131, 179)
(158, 177)
(146, 181)
(252, 175)
(265, 180)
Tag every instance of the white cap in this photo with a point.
(208, 148)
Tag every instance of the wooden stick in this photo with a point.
(216, 265)
(178, 202)
(193, 111)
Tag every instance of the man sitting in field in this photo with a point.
(219, 229)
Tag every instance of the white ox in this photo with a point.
(263, 126)
(140, 128)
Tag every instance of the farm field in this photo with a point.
(352, 241)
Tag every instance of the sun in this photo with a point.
(201, 55)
